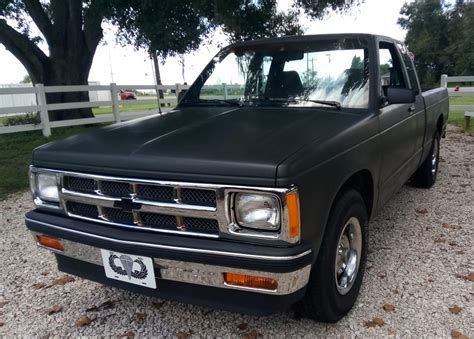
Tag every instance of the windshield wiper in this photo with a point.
(234, 102)
(336, 104)
(283, 100)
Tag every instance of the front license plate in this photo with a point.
(133, 269)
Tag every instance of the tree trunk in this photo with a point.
(57, 75)
(72, 33)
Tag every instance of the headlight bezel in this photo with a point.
(283, 233)
(40, 200)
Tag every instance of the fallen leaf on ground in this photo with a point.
(55, 309)
(38, 286)
(458, 335)
(107, 305)
(251, 335)
(140, 316)
(388, 308)
(158, 304)
(243, 326)
(374, 322)
(455, 309)
(93, 308)
(62, 281)
(450, 226)
(183, 335)
(421, 210)
(129, 334)
(83, 321)
(469, 277)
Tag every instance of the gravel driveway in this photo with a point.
(419, 278)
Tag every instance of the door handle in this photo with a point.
(411, 109)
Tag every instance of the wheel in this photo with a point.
(337, 274)
(425, 176)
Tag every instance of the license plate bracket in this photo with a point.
(129, 268)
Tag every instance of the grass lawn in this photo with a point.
(15, 156)
(462, 100)
(457, 118)
(125, 108)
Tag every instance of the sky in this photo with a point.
(124, 65)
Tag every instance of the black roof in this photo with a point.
(313, 37)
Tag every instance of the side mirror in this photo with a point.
(400, 95)
(181, 95)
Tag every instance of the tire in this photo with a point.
(425, 176)
(325, 299)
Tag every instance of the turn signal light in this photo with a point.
(250, 281)
(50, 243)
(293, 205)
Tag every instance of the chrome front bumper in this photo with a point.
(194, 273)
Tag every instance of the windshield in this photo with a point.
(316, 73)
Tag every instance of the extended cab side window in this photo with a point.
(410, 68)
(391, 68)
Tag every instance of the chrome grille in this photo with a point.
(159, 220)
(167, 207)
(115, 189)
(155, 193)
(83, 185)
(200, 225)
(117, 215)
(196, 197)
(86, 210)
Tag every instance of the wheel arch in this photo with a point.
(440, 124)
(363, 182)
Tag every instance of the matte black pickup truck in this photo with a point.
(256, 191)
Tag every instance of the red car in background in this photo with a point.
(127, 95)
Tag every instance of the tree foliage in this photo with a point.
(440, 36)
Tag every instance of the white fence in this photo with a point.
(462, 91)
(11, 100)
(43, 107)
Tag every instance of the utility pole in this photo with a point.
(110, 63)
(156, 65)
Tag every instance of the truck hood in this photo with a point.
(238, 145)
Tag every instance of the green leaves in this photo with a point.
(440, 36)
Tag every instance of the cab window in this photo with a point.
(390, 68)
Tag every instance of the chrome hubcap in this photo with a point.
(348, 255)
(434, 158)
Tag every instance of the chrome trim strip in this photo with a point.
(141, 228)
(195, 273)
(147, 206)
(176, 248)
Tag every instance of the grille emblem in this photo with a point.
(127, 205)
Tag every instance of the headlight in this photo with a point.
(46, 187)
(260, 211)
